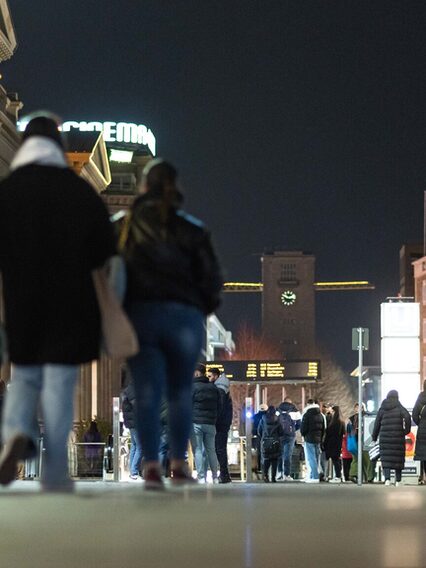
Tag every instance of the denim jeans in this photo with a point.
(287, 453)
(170, 337)
(135, 455)
(51, 386)
(205, 435)
(312, 452)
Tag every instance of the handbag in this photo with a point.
(352, 444)
(119, 339)
(374, 452)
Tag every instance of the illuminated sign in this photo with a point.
(125, 132)
(268, 371)
(122, 156)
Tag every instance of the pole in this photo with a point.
(249, 428)
(360, 418)
(116, 435)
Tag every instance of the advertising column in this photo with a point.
(400, 330)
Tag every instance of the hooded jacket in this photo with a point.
(313, 425)
(295, 415)
(205, 401)
(419, 418)
(392, 423)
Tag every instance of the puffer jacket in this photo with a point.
(392, 423)
(205, 401)
(419, 418)
(313, 425)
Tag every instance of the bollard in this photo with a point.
(116, 434)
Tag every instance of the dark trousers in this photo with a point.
(337, 463)
(221, 443)
(270, 463)
(387, 473)
(346, 468)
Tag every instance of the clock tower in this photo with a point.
(288, 301)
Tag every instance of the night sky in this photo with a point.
(294, 124)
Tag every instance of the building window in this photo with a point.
(288, 272)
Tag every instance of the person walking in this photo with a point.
(54, 231)
(312, 429)
(392, 424)
(205, 410)
(290, 419)
(270, 433)
(419, 418)
(174, 281)
(128, 407)
(333, 442)
(223, 422)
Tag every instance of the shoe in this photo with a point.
(225, 480)
(181, 476)
(312, 480)
(387, 482)
(153, 480)
(215, 481)
(279, 477)
(288, 478)
(133, 477)
(266, 479)
(336, 480)
(16, 450)
(398, 483)
(273, 480)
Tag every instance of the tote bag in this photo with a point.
(119, 338)
(352, 444)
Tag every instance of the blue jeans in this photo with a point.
(312, 452)
(287, 452)
(170, 337)
(135, 454)
(51, 386)
(205, 435)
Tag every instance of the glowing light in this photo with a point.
(249, 414)
(121, 156)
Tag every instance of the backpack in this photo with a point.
(287, 424)
(270, 444)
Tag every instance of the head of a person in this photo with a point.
(288, 399)
(93, 427)
(263, 407)
(310, 401)
(46, 125)
(159, 176)
(200, 370)
(213, 374)
(336, 412)
(270, 413)
(393, 394)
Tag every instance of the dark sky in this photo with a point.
(293, 123)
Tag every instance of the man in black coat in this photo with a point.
(205, 409)
(313, 430)
(223, 422)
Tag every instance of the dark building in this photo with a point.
(407, 255)
(288, 301)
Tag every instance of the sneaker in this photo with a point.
(398, 483)
(153, 480)
(225, 480)
(181, 476)
(133, 477)
(215, 481)
(312, 480)
(387, 482)
(288, 478)
(266, 479)
(336, 480)
(16, 450)
(202, 481)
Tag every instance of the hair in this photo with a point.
(270, 412)
(392, 394)
(201, 368)
(160, 176)
(337, 416)
(310, 401)
(424, 385)
(215, 371)
(93, 427)
(46, 126)
(287, 399)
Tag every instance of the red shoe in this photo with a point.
(180, 476)
(153, 480)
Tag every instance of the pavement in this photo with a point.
(283, 525)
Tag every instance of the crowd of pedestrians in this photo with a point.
(55, 236)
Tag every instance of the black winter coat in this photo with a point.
(270, 428)
(333, 439)
(54, 230)
(313, 426)
(224, 417)
(170, 262)
(392, 423)
(205, 401)
(128, 406)
(419, 418)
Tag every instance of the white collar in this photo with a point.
(41, 151)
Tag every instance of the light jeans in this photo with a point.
(135, 454)
(52, 387)
(312, 452)
(205, 435)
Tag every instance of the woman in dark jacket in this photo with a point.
(392, 423)
(174, 281)
(333, 442)
(270, 433)
(419, 418)
(54, 231)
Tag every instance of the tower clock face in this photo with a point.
(288, 297)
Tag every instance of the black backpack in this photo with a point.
(287, 424)
(270, 444)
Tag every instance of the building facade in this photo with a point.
(420, 297)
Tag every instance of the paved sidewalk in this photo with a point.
(252, 526)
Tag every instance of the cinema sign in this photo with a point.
(122, 132)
